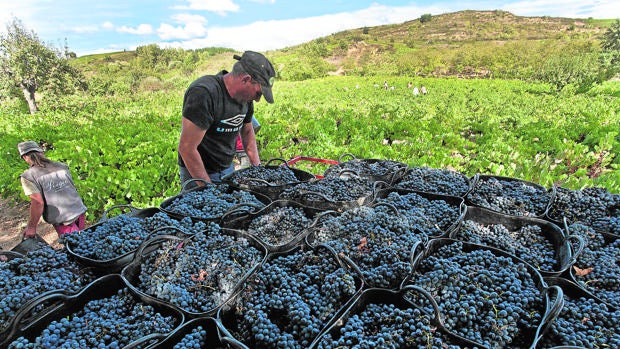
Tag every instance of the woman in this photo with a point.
(52, 193)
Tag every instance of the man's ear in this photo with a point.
(246, 78)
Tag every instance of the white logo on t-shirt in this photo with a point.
(236, 120)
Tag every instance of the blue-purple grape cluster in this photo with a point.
(109, 239)
(263, 176)
(433, 180)
(111, 322)
(196, 338)
(609, 225)
(585, 323)
(209, 202)
(381, 325)
(373, 169)
(527, 242)
(338, 189)
(201, 272)
(376, 239)
(291, 298)
(434, 217)
(124, 233)
(280, 225)
(162, 223)
(487, 298)
(38, 271)
(586, 206)
(513, 197)
(597, 268)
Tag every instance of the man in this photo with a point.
(52, 193)
(217, 108)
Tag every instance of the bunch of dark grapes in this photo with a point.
(597, 269)
(209, 203)
(109, 239)
(516, 198)
(437, 181)
(201, 273)
(379, 242)
(587, 206)
(280, 225)
(338, 189)
(609, 225)
(379, 325)
(196, 338)
(124, 233)
(483, 297)
(592, 239)
(112, 322)
(291, 298)
(586, 323)
(38, 271)
(526, 242)
(264, 176)
(161, 222)
(432, 217)
(382, 170)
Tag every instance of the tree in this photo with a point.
(30, 66)
(425, 18)
(611, 38)
(611, 46)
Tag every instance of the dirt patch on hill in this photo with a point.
(14, 218)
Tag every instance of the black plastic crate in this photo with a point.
(329, 193)
(436, 181)
(306, 295)
(61, 307)
(206, 332)
(210, 201)
(376, 241)
(439, 225)
(585, 317)
(32, 274)
(130, 240)
(530, 306)
(164, 251)
(549, 234)
(391, 319)
(510, 196)
(387, 171)
(601, 276)
(244, 218)
(246, 179)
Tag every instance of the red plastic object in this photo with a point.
(308, 158)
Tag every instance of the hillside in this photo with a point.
(478, 43)
(461, 30)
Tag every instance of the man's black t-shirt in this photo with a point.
(209, 106)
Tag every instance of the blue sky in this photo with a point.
(93, 26)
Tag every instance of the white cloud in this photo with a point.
(85, 29)
(568, 8)
(221, 7)
(142, 29)
(108, 25)
(187, 18)
(192, 26)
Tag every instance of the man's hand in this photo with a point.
(30, 233)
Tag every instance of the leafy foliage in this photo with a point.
(30, 66)
(425, 18)
(611, 38)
